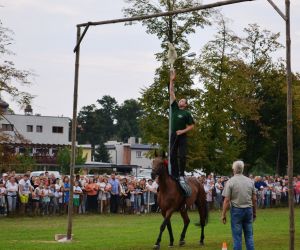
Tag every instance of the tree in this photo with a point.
(97, 123)
(106, 116)
(101, 153)
(226, 100)
(127, 117)
(11, 78)
(86, 125)
(26, 161)
(64, 158)
(109, 121)
(265, 137)
(174, 29)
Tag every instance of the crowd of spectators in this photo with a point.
(48, 195)
(272, 191)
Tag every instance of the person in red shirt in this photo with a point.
(297, 190)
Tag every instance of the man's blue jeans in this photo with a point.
(241, 220)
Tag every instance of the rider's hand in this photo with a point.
(223, 218)
(179, 132)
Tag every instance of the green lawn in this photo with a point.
(140, 232)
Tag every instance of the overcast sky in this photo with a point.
(116, 60)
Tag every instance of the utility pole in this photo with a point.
(289, 104)
(74, 125)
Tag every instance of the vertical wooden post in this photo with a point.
(289, 125)
(74, 125)
(170, 36)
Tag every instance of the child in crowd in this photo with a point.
(138, 198)
(273, 196)
(278, 190)
(260, 197)
(56, 196)
(149, 198)
(102, 195)
(2, 198)
(60, 196)
(132, 194)
(66, 190)
(36, 199)
(46, 193)
(76, 196)
(268, 196)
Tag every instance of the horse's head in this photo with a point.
(158, 167)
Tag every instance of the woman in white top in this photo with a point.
(12, 189)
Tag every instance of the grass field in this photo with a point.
(140, 232)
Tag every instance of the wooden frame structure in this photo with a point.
(286, 18)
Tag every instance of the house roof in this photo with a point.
(142, 146)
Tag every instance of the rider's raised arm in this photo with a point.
(172, 80)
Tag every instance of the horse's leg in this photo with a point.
(186, 222)
(167, 216)
(202, 235)
(170, 234)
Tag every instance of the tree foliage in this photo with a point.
(127, 118)
(174, 29)
(64, 158)
(243, 105)
(108, 120)
(11, 78)
(101, 153)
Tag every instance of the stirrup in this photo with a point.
(187, 191)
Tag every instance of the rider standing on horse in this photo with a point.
(181, 122)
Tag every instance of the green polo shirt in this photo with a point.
(180, 118)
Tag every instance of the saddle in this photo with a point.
(185, 188)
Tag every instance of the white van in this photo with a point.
(39, 173)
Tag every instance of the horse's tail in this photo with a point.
(203, 212)
(206, 212)
(202, 205)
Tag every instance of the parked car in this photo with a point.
(144, 173)
(42, 173)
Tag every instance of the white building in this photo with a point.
(37, 129)
(131, 153)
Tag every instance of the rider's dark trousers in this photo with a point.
(178, 154)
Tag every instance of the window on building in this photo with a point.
(138, 154)
(21, 150)
(59, 130)
(39, 129)
(29, 128)
(7, 127)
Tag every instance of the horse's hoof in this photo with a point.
(181, 243)
(171, 245)
(156, 247)
(201, 243)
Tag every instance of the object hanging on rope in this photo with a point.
(172, 55)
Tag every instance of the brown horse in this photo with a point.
(171, 199)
